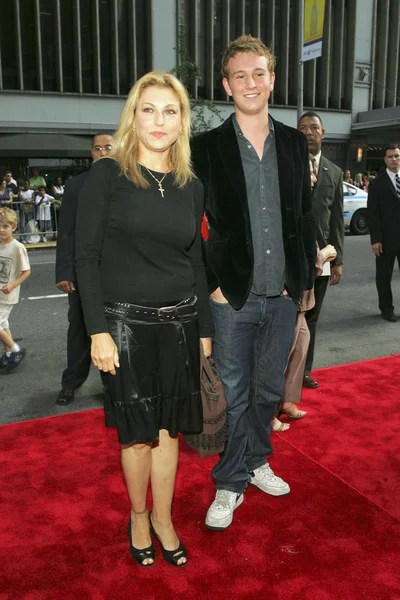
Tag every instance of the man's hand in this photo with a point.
(377, 248)
(8, 288)
(66, 286)
(104, 353)
(218, 296)
(336, 274)
(207, 346)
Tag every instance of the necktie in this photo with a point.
(397, 179)
(314, 175)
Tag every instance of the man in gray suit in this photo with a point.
(327, 201)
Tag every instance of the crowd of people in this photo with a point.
(36, 204)
(147, 295)
(361, 180)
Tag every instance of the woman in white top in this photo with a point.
(58, 190)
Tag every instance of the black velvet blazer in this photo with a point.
(228, 252)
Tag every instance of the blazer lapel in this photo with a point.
(285, 162)
(322, 172)
(390, 186)
(230, 154)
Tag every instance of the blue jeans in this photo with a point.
(251, 348)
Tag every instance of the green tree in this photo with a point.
(189, 73)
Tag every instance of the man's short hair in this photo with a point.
(42, 187)
(7, 171)
(100, 133)
(392, 146)
(247, 43)
(311, 113)
(8, 216)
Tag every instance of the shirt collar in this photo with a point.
(392, 175)
(239, 132)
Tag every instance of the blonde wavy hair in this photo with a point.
(125, 148)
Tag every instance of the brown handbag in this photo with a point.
(215, 428)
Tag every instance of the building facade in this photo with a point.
(66, 67)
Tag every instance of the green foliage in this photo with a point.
(188, 72)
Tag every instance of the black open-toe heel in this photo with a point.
(171, 556)
(141, 555)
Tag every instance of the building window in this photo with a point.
(48, 32)
(8, 47)
(87, 45)
(68, 25)
(211, 24)
(76, 46)
(105, 19)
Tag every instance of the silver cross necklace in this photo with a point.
(159, 181)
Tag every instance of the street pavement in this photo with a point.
(350, 329)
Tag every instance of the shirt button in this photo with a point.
(262, 187)
(268, 251)
(266, 229)
(249, 146)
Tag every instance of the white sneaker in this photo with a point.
(220, 513)
(44, 239)
(265, 479)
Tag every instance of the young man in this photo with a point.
(384, 227)
(14, 270)
(327, 202)
(78, 342)
(260, 258)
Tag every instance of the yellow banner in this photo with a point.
(314, 11)
(313, 20)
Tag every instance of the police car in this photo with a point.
(355, 209)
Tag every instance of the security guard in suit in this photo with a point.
(327, 201)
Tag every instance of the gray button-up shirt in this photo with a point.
(263, 197)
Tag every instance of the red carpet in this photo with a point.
(64, 509)
(352, 427)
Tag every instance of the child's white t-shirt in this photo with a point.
(13, 260)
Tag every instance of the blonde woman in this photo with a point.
(142, 284)
(359, 181)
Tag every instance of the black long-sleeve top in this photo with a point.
(133, 245)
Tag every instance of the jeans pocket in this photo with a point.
(219, 303)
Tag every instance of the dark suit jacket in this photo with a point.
(384, 213)
(65, 252)
(229, 255)
(327, 202)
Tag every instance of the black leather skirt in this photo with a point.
(157, 385)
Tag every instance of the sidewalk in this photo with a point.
(41, 246)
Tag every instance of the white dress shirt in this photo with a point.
(393, 178)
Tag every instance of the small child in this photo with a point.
(43, 211)
(14, 270)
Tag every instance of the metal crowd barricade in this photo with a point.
(31, 229)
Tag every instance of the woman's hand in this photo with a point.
(328, 253)
(104, 353)
(207, 346)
